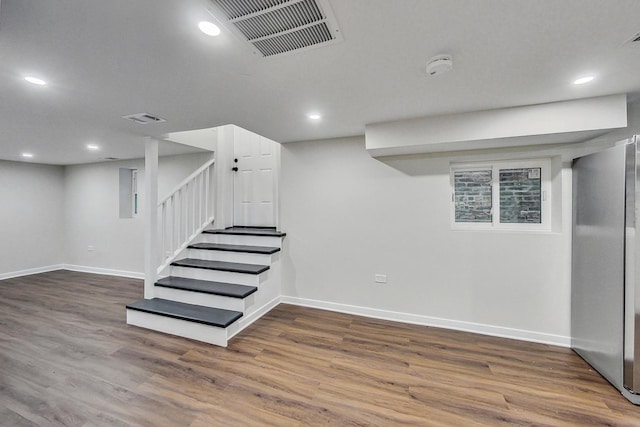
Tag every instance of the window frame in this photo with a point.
(496, 167)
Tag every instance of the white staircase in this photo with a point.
(217, 289)
(200, 283)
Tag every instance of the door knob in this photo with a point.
(235, 169)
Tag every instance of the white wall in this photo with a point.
(348, 217)
(31, 212)
(92, 215)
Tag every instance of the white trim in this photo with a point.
(478, 328)
(29, 271)
(544, 164)
(242, 323)
(103, 271)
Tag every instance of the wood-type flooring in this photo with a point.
(67, 358)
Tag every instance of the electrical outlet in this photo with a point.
(381, 278)
(90, 248)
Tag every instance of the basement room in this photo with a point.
(319, 213)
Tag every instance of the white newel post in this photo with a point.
(151, 215)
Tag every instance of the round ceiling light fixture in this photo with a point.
(439, 64)
(209, 28)
(35, 80)
(314, 116)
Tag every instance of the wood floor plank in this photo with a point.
(67, 358)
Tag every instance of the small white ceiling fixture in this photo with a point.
(144, 118)
(583, 80)
(314, 116)
(35, 80)
(27, 155)
(92, 147)
(439, 64)
(209, 28)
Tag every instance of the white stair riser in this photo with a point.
(199, 298)
(231, 239)
(218, 276)
(179, 327)
(241, 257)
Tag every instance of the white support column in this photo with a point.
(223, 184)
(151, 215)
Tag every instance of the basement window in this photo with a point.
(512, 195)
(128, 193)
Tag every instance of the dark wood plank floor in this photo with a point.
(68, 358)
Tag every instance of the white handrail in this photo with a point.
(184, 213)
(187, 179)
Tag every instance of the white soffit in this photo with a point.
(277, 27)
(552, 123)
(201, 138)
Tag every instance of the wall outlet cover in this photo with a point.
(381, 278)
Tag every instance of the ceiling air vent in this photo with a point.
(275, 27)
(144, 118)
(634, 39)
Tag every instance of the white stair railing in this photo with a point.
(184, 213)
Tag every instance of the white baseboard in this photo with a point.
(496, 331)
(245, 321)
(29, 271)
(104, 271)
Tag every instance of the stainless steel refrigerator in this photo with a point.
(605, 285)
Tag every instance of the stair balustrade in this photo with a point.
(184, 213)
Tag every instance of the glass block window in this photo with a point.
(521, 196)
(472, 189)
(501, 195)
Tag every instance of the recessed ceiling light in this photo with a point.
(92, 147)
(314, 116)
(209, 28)
(35, 80)
(583, 80)
(27, 155)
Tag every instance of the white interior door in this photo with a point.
(254, 186)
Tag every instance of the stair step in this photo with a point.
(266, 250)
(248, 231)
(233, 267)
(193, 313)
(207, 287)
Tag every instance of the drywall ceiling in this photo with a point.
(106, 59)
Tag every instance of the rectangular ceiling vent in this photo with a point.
(275, 27)
(634, 39)
(144, 118)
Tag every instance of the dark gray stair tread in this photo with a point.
(193, 313)
(207, 287)
(248, 231)
(235, 248)
(233, 267)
